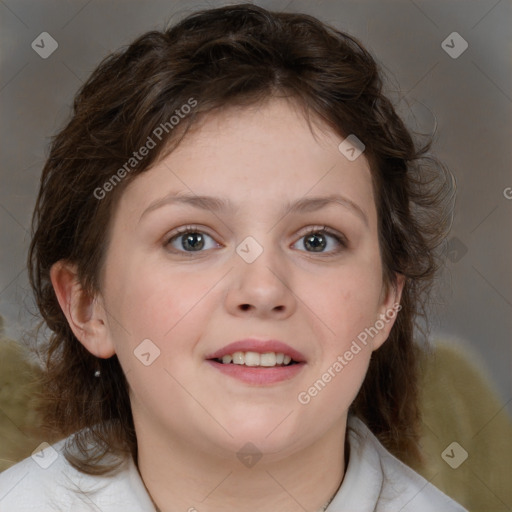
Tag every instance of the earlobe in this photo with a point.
(84, 313)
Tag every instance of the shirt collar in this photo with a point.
(363, 480)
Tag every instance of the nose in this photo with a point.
(261, 288)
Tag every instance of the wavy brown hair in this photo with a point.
(238, 55)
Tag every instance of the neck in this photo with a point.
(196, 481)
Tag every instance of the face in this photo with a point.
(254, 229)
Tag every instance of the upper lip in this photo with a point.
(259, 346)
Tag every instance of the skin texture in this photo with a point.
(190, 419)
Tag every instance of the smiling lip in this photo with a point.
(258, 375)
(259, 346)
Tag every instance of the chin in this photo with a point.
(269, 432)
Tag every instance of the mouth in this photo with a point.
(258, 362)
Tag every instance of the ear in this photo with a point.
(388, 310)
(85, 314)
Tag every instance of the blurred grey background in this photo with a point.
(466, 93)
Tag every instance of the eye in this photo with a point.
(322, 240)
(190, 239)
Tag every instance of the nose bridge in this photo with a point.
(260, 281)
(261, 262)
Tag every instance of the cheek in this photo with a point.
(349, 305)
(169, 310)
(155, 304)
(346, 309)
(146, 295)
(347, 302)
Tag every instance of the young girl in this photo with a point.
(233, 238)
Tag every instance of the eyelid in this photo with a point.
(323, 229)
(186, 229)
(194, 228)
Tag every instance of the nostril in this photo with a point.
(245, 307)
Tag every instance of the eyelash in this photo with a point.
(321, 230)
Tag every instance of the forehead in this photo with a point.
(277, 127)
(263, 153)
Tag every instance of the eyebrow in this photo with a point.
(220, 205)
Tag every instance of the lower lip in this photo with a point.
(259, 375)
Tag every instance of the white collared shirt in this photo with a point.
(375, 481)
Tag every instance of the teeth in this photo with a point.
(252, 359)
(238, 358)
(268, 359)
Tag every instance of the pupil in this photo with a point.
(193, 241)
(313, 241)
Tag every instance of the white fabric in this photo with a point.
(375, 481)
